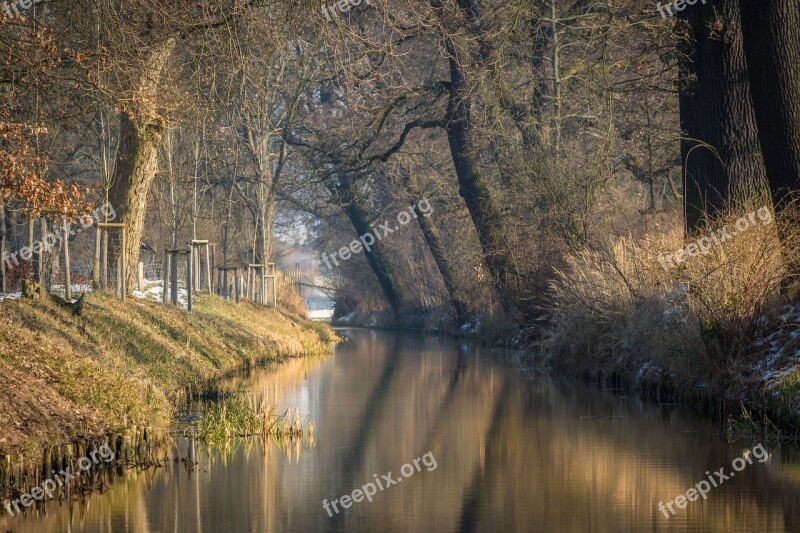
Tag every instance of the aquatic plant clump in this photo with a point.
(245, 415)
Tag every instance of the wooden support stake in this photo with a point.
(189, 280)
(40, 265)
(96, 264)
(195, 266)
(104, 271)
(118, 285)
(166, 276)
(213, 264)
(174, 279)
(274, 285)
(123, 270)
(67, 274)
(250, 284)
(3, 277)
(208, 271)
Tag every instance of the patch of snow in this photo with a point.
(469, 327)
(649, 368)
(154, 291)
(10, 296)
(777, 364)
(320, 314)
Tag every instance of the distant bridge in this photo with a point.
(301, 283)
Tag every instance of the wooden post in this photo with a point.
(40, 262)
(166, 276)
(250, 291)
(271, 274)
(123, 281)
(3, 277)
(174, 278)
(236, 283)
(67, 274)
(226, 289)
(31, 238)
(208, 271)
(189, 279)
(214, 265)
(96, 264)
(104, 267)
(140, 276)
(193, 249)
(118, 291)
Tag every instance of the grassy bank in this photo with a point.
(123, 365)
(717, 330)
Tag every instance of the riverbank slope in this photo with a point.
(126, 364)
(718, 330)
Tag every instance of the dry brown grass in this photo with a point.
(616, 312)
(124, 364)
(290, 299)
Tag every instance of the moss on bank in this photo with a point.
(121, 365)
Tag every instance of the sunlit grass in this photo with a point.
(131, 363)
(702, 330)
(244, 415)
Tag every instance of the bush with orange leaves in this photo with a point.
(21, 176)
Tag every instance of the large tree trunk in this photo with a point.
(720, 148)
(140, 136)
(472, 186)
(3, 248)
(772, 48)
(137, 163)
(376, 257)
(431, 235)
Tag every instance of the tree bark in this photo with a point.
(137, 163)
(436, 248)
(472, 186)
(140, 136)
(376, 257)
(772, 50)
(720, 148)
(3, 248)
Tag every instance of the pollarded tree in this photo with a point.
(144, 48)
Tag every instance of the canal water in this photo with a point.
(497, 450)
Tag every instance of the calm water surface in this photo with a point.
(513, 453)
